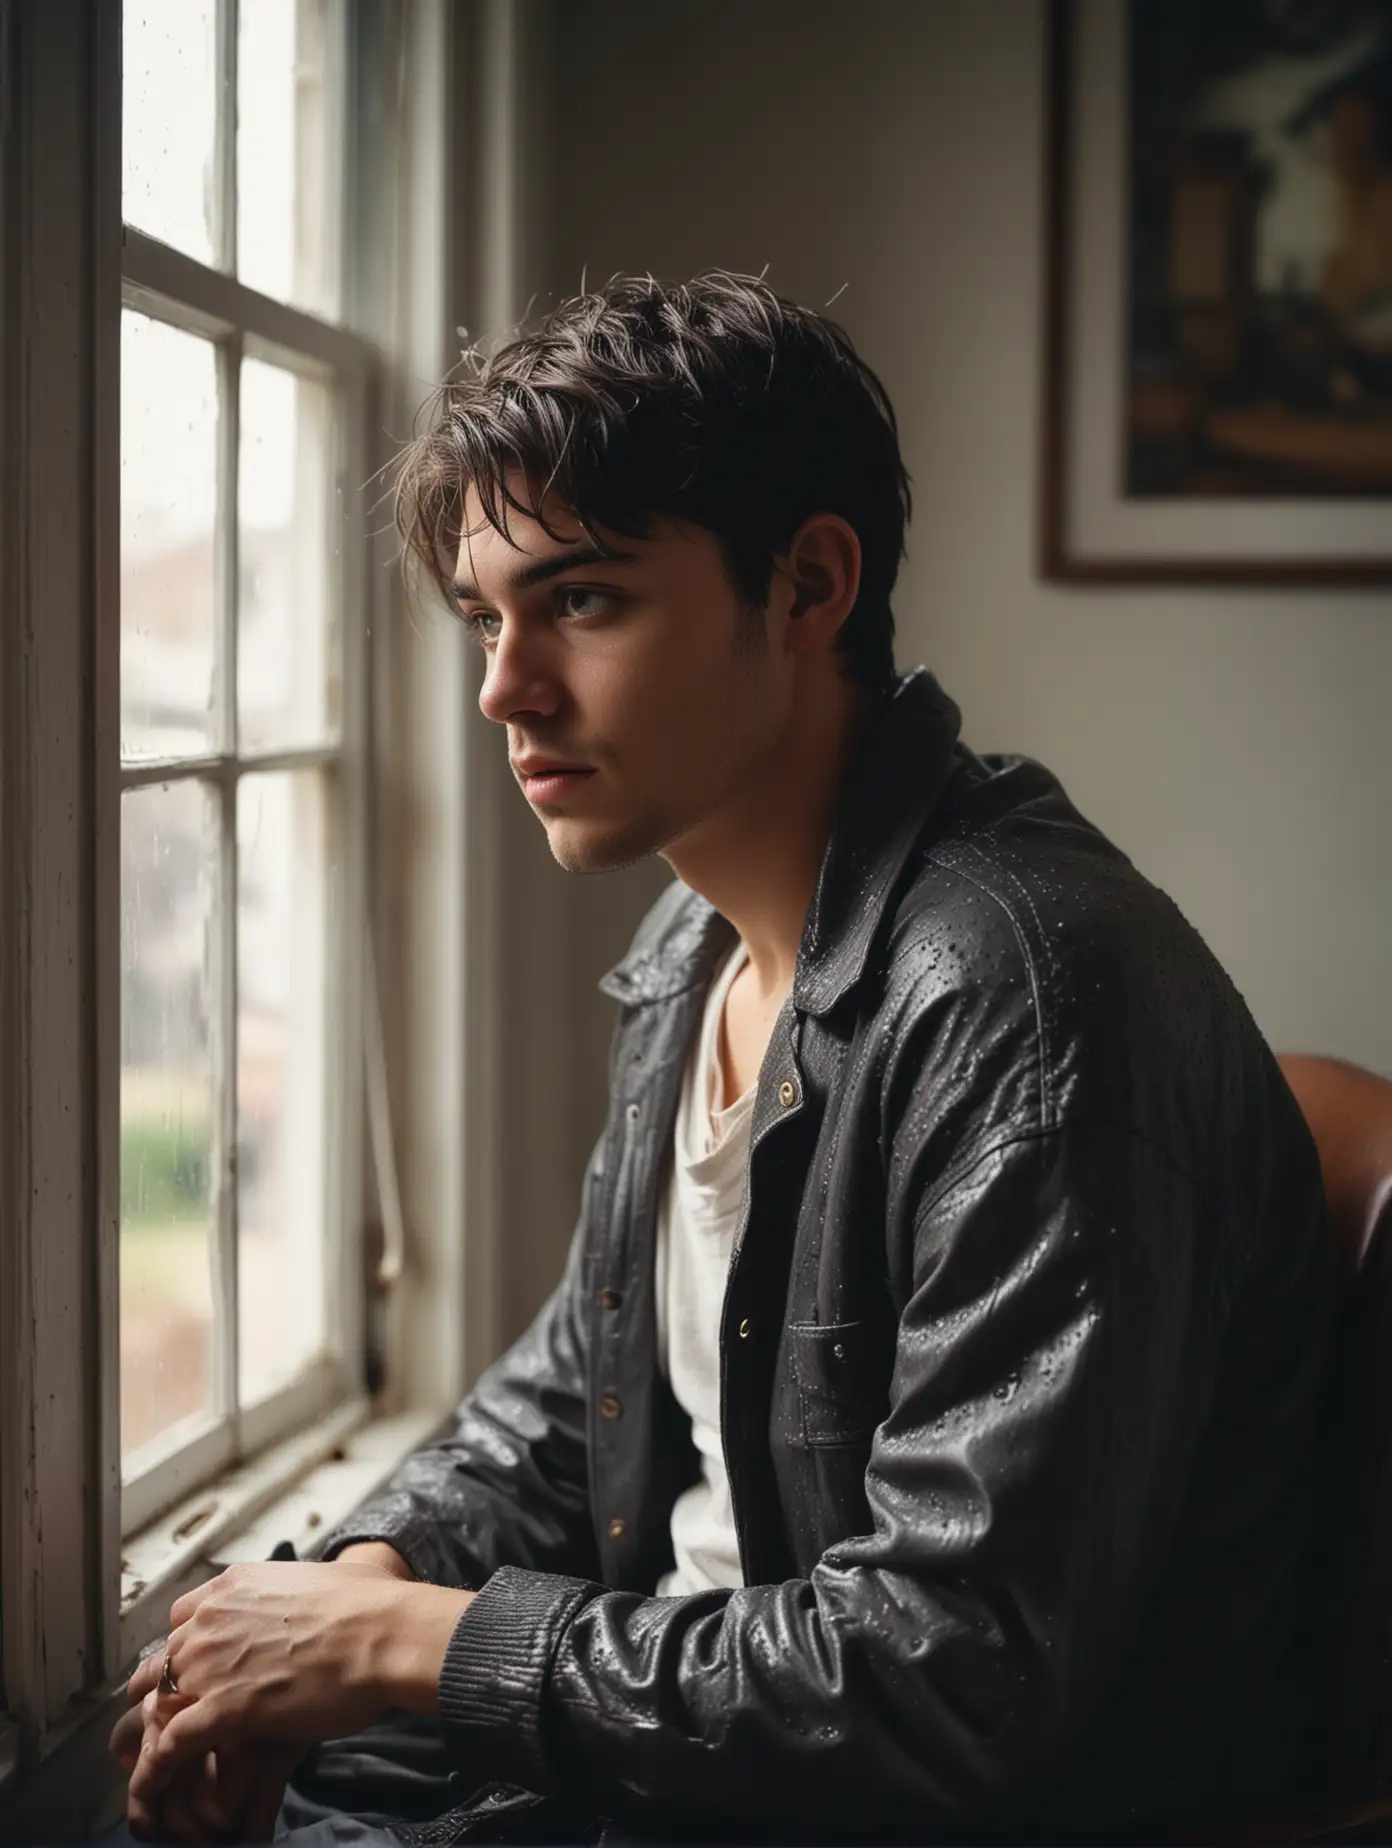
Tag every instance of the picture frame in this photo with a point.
(1182, 444)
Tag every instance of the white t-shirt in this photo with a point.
(697, 1221)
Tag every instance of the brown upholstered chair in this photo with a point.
(1350, 1116)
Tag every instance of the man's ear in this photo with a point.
(822, 567)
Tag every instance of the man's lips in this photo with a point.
(545, 781)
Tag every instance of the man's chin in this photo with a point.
(581, 849)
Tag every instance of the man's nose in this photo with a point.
(517, 678)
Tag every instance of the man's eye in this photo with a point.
(582, 600)
(481, 625)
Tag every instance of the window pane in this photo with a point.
(167, 863)
(169, 416)
(281, 1077)
(287, 221)
(169, 122)
(285, 651)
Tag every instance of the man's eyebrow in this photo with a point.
(543, 568)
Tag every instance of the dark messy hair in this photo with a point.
(713, 401)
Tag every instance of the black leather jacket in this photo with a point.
(1021, 1357)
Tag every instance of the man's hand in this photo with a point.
(231, 1795)
(236, 1792)
(290, 1653)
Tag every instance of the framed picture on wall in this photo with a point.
(1218, 342)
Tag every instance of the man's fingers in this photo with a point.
(200, 1789)
(126, 1735)
(152, 1775)
(191, 1809)
(275, 1764)
(259, 1817)
(183, 1608)
(234, 1778)
(145, 1679)
(141, 1819)
(144, 1811)
(193, 1730)
(181, 1823)
(159, 1709)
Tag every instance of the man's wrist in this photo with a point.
(378, 1553)
(418, 1622)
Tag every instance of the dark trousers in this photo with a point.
(393, 1784)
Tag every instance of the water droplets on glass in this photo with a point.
(167, 1102)
(281, 1076)
(169, 425)
(287, 684)
(287, 243)
(169, 122)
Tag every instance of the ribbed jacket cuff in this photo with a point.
(492, 1686)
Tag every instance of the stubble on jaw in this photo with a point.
(610, 854)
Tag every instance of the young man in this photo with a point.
(921, 1441)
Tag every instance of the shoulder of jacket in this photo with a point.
(1022, 927)
(1015, 874)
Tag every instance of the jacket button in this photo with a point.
(617, 1529)
(787, 1093)
(610, 1406)
(745, 1329)
(609, 1299)
(633, 1113)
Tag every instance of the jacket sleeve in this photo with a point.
(509, 1486)
(1054, 1363)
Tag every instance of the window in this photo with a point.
(194, 409)
(241, 819)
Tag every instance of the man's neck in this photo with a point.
(757, 861)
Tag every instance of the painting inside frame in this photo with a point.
(1259, 273)
(1218, 292)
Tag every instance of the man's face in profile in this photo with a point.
(639, 692)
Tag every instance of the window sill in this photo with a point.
(299, 1491)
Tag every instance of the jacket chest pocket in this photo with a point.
(842, 1372)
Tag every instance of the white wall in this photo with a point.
(1237, 745)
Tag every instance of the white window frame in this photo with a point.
(177, 290)
(182, 292)
(443, 253)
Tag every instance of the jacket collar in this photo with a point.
(891, 788)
